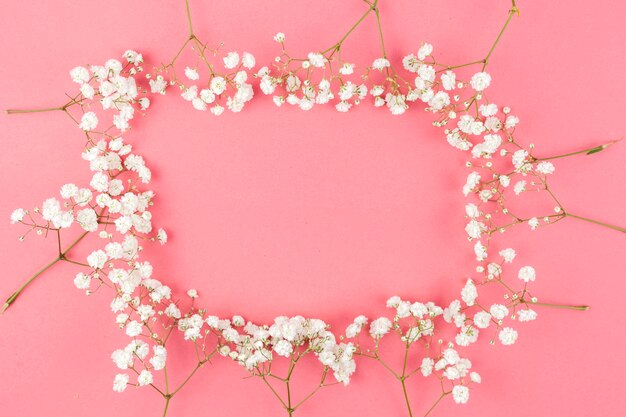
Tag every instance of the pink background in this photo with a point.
(283, 212)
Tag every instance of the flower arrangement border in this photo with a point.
(115, 206)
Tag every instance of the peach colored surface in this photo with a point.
(276, 211)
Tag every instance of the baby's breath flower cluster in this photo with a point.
(114, 208)
(420, 327)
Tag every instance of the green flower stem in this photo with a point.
(514, 10)
(599, 223)
(167, 404)
(189, 18)
(73, 100)
(49, 109)
(587, 151)
(59, 258)
(358, 22)
(564, 306)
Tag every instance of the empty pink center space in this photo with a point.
(284, 212)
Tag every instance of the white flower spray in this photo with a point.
(115, 207)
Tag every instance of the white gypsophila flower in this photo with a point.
(231, 60)
(488, 147)
(192, 293)
(533, 223)
(474, 229)
(519, 158)
(218, 85)
(161, 236)
(480, 81)
(190, 93)
(425, 50)
(172, 311)
(133, 328)
(17, 215)
(507, 336)
(466, 336)
(473, 179)
(353, 330)
(425, 73)
(122, 359)
(426, 366)
(69, 191)
(158, 85)
(343, 106)
(346, 69)
(89, 121)
(488, 110)
(133, 57)
(144, 103)
(145, 312)
(283, 348)
(482, 319)
(396, 103)
(198, 104)
(97, 259)
(279, 37)
(411, 63)
(403, 310)
(381, 63)
(380, 327)
(526, 273)
(469, 293)
(519, 187)
(248, 61)
(316, 59)
(440, 100)
(159, 357)
(498, 311)
(217, 110)
(493, 124)
(460, 394)
(508, 254)
(452, 311)
(451, 356)
(82, 281)
(87, 91)
(145, 378)
(120, 382)
(545, 167)
(526, 315)
(393, 302)
(511, 122)
(79, 75)
(493, 270)
(448, 80)
(191, 73)
(207, 96)
(472, 210)
(480, 251)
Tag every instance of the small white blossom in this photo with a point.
(507, 336)
(480, 81)
(527, 273)
(120, 382)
